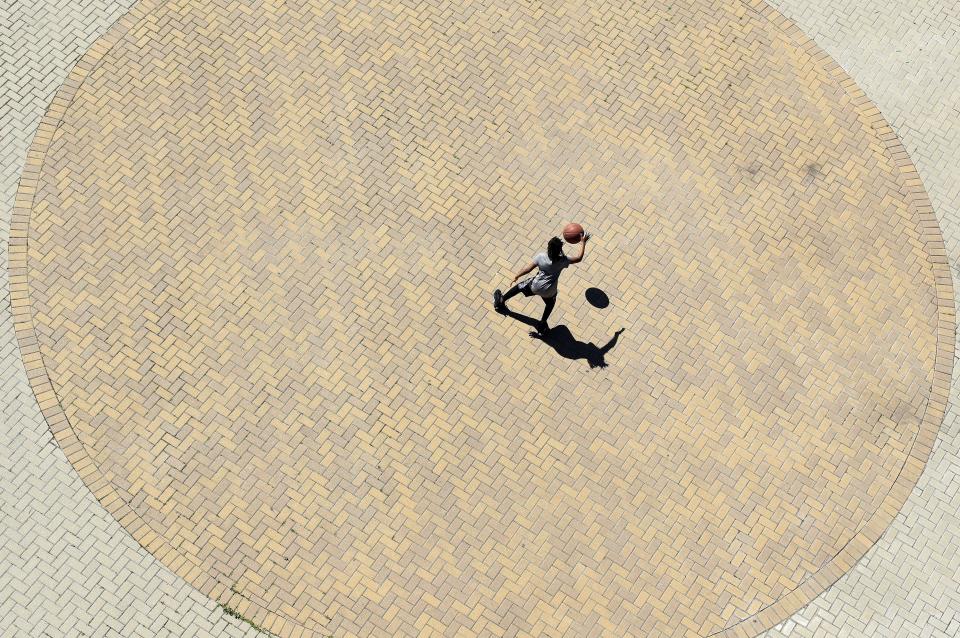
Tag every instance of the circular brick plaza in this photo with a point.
(252, 265)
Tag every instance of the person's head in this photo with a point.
(555, 248)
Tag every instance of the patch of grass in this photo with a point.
(233, 613)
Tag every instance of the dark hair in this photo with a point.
(555, 248)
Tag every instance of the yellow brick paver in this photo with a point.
(251, 268)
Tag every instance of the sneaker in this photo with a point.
(543, 328)
(498, 304)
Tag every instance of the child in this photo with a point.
(544, 283)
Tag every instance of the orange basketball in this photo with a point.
(572, 232)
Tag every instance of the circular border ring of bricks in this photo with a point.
(187, 568)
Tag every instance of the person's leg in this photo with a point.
(548, 304)
(513, 292)
(500, 299)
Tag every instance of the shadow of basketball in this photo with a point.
(597, 298)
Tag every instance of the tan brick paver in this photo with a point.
(251, 268)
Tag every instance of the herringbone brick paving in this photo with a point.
(178, 370)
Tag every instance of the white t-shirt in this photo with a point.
(545, 281)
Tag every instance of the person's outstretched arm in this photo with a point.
(583, 247)
(526, 269)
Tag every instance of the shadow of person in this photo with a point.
(530, 321)
(566, 345)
